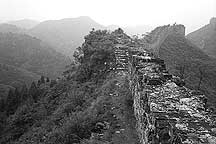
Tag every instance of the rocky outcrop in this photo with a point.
(166, 111)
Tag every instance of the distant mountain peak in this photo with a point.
(84, 17)
(24, 23)
(80, 18)
(65, 34)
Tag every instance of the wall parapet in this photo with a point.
(166, 111)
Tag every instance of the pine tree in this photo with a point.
(11, 102)
(47, 80)
(42, 79)
(33, 91)
(39, 82)
(24, 93)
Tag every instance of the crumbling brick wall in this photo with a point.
(165, 110)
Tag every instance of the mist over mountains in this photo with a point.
(30, 54)
(67, 34)
(24, 23)
(76, 81)
(9, 28)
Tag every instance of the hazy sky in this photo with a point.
(192, 13)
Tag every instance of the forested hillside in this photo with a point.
(30, 54)
(11, 74)
(111, 95)
(79, 107)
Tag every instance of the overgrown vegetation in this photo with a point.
(67, 110)
(89, 99)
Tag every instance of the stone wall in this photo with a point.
(161, 33)
(165, 110)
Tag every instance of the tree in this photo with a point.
(78, 55)
(39, 82)
(201, 76)
(11, 102)
(70, 69)
(47, 80)
(24, 93)
(42, 79)
(96, 55)
(2, 105)
(33, 91)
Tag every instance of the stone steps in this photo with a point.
(122, 58)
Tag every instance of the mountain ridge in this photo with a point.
(66, 34)
(205, 38)
(24, 23)
(116, 91)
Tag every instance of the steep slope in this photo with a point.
(31, 54)
(187, 61)
(205, 38)
(180, 49)
(210, 46)
(93, 105)
(116, 92)
(65, 35)
(24, 23)
(183, 58)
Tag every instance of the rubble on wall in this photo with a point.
(166, 111)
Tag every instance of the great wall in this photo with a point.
(160, 34)
(166, 111)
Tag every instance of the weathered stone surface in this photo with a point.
(166, 111)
